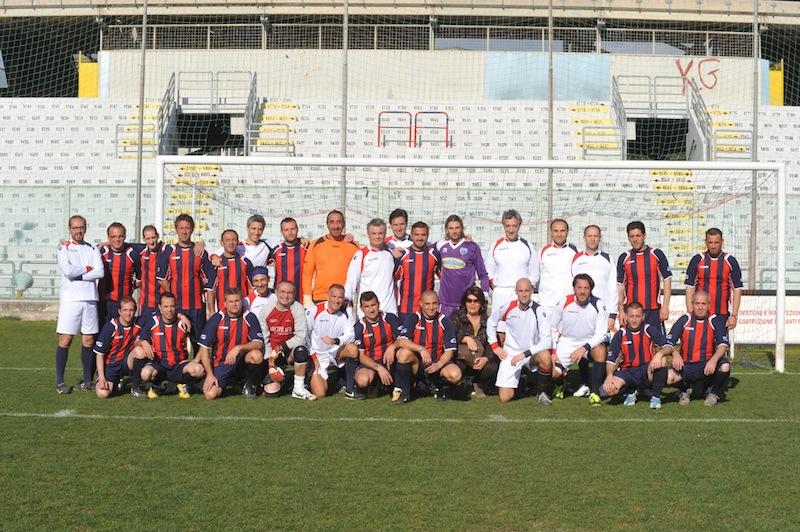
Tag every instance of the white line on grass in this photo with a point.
(493, 419)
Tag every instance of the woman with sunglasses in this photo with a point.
(477, 361)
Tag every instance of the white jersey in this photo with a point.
(338, 325)
(510, 260)
(586, 324)
(254, 302)
(555, 273)
(372, 270)
(526, 330)
(394, 242)
(81, 266)
(603, 272)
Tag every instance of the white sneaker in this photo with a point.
(303, 393)
(583, 391)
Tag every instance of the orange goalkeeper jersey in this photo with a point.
(326, 263)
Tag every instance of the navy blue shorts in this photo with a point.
(198, 319)
(228, 373)
(145, 314)
(651, 318)
(634, 377)
(114, 372)
(695, 371)
(170, 373)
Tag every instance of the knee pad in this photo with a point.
(300, 354)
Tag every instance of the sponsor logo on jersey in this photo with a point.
(453, 263)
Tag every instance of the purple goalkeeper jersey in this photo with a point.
(461, 263)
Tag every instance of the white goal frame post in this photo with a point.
(778, 168)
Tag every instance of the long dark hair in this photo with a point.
(477, 292)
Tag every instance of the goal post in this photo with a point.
(677, 201)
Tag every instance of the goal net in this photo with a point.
(677, 201)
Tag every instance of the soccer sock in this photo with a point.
(544, 381)
(597, 376)
(61, 363)
(718, 383)
(136, 372)
(583, 368)
(252, 373)
(659, 381)
(299, 382)
(88, 361)
(350, 365)
(402, 377)
(681, 386)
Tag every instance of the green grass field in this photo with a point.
(75, 462)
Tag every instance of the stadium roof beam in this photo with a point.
(731, 11)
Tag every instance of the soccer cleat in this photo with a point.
(152, 393)
(655, 403)
(249, 391)
(711, 399)
(399, 397)
(543, 399)
(183, 391)
(440, 393)
(559, 392)
(630, 399)
(83, 386)
(303, 393)
(63, 389)
(138, 393)
(684, 398)
(583, 391)
(355, 395)
(594, 400)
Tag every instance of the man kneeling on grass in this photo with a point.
(161, 354)
(636, 359)
(425, 349)
(701, 358)
(113, 348)
(232, 344)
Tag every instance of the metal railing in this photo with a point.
(165, 113)
(250, 113)
(621, 118)
(475, 36)
(214, 92)
(698, 113)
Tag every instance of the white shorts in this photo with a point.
(502, 295)
(508, 375)
(325, 363)
(564, 349)
(75, 316)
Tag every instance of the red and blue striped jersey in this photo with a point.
(146, 266)
(223, 332)
(115, 341)
(168, 340)
(414, 274)
(117, 281)
(641, 273)
(187, 274)
(288, 260)
(436, 334)
(699, 338)
(232, 272)
(718, 276)
(375, 337)
(636, 347)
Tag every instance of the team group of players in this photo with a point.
(364, 318)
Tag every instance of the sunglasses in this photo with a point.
(472, 300)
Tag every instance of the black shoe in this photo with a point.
(399, 396)
(355, 395)
(249, 391)
(138, 393)
(440, 393)
(83, 386)
(63, 389)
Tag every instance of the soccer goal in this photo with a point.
(677, 201)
